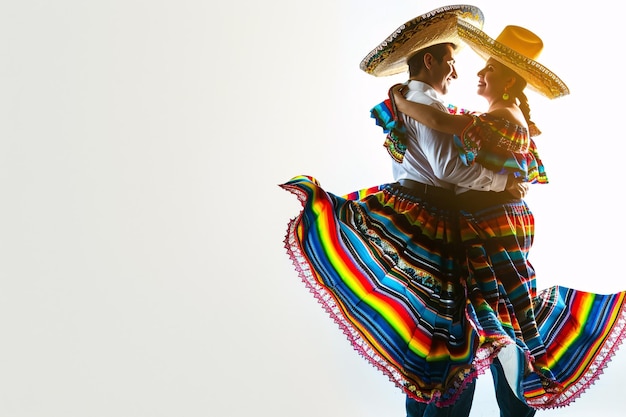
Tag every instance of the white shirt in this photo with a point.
(431, 156)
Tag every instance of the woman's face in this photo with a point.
(493, 79)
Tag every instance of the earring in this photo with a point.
(505, 96)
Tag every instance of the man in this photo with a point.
(428, 159)
(431, 158)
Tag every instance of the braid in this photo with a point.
(525, 108)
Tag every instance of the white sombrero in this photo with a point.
(517, 48)
(437, 26)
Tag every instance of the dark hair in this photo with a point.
(517, 91)
(416, 61)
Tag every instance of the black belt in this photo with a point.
(471, 200)
(424, 189)
(434, 194)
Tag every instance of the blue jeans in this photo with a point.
(510, 405)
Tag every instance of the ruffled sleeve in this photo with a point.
(386, 117)
(501, 146)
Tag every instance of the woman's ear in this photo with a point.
(511, 82)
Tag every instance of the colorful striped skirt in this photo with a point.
(565, 337)
(429, 297)
(384, 264)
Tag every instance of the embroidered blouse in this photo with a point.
(501, 146)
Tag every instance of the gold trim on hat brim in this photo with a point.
(437, 26)
(538, 77)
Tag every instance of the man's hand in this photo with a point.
(517, 187)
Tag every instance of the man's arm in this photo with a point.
(439, 148)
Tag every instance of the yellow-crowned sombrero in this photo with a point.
(517, 48)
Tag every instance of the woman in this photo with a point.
(565, 336)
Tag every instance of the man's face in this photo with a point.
(443, 72)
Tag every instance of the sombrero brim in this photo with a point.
(437, 26)
(538, 77)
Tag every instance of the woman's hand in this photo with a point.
(396, 91)
(396, 95)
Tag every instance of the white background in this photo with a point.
(142, 270)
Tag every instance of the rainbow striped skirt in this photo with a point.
(402, 278)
